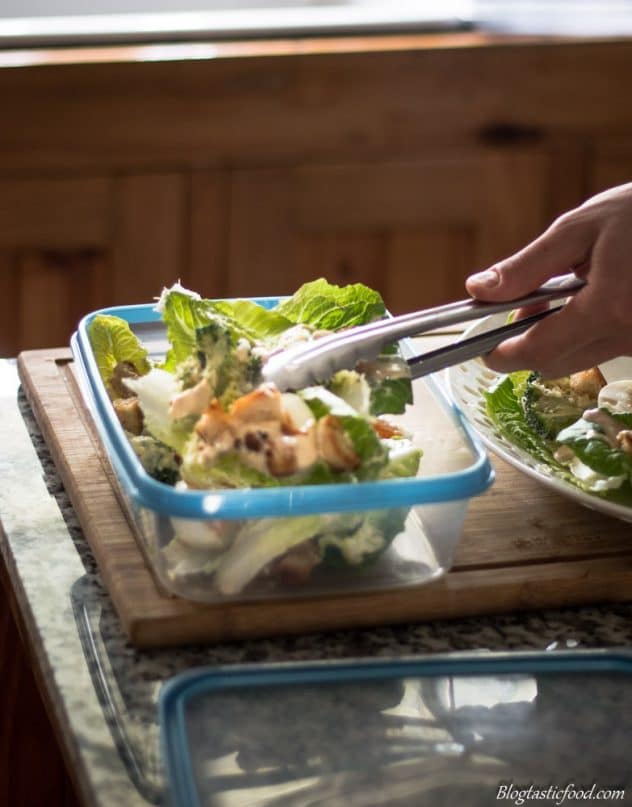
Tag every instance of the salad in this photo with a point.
(579, 426)
(200, 418)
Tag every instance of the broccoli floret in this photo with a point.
(189, 371)
(227, 363)
(548, 405)
(157, 459)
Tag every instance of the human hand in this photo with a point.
(595, 241)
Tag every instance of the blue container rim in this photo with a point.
(265, 502)
(178, 691)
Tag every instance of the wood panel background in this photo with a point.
(403, 162)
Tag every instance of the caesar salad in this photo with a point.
(200, 418)
(579, 427)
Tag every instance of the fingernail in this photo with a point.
(489, 278)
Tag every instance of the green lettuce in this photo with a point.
(113, 342)
(183, 314)
(227, 470)
(155, 390)
(326, 306)
(370, 449)
(353, 388)
(363, 544)
(255, 321)
(403, 460)
(318, 474)
(373, 391)
(595, 451)
(259, 543)
(503, 404)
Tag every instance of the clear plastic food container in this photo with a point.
(205, 544)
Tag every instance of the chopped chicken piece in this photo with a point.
(262, 404)
(214, 423)
(288, 454)
(192, 401)
(129, 414)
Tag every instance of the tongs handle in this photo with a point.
(314, 362)
(470, 348)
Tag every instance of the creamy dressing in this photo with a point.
(610, 427)
(616, 396)
(598, 482)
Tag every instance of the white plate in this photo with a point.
(467, 382)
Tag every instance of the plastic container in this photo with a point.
(422, 732)
(431, 507)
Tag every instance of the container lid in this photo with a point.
(440, 730)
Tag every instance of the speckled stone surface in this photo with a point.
(104, 692)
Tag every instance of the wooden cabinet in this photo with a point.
(413, 229)
(403, 162)
(68, 246)
(611, 164)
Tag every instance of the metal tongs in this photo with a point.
(315, 362)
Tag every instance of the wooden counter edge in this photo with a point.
(207, 49)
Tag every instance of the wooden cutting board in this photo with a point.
(523, 547)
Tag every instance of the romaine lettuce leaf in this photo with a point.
(254, 321)
(506, 413)
(155, 391)
(354, 390)
(390, 396)
(595, 451)
(624, 418)
(372, 452)
(373, 391)
(182, 314)
(325, 402)
(363, 545)
(403, 460)
(326, 306)
(259, 543)
(112, 342)
(318, 474)
(227, 470)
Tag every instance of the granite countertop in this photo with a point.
(103, 692)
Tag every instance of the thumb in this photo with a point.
(555, 252)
